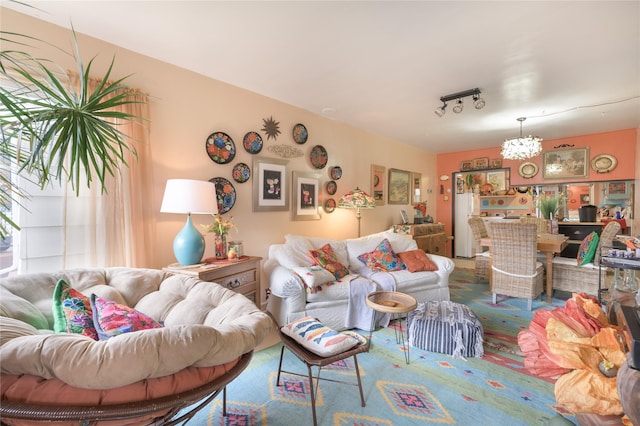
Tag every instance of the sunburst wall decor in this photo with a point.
(271, 128)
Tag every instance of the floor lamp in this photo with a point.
(356, 199)
(189, 196)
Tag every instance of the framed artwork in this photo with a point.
(481, 163)
(416, 193)
(305, 196)
(405, 218)
(270, 185)
(495, 163)
(565, 163)
(399, 181)
(618, 190)
(378, 179)
(459, 184)
(466, 165)
(497, 180)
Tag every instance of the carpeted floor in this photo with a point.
(433, 389)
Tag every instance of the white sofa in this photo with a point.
(290, 300)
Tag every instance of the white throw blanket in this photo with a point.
(358, 312)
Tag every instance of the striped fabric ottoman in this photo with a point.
(445, 327)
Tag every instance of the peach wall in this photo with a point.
(186, 107)
(621, 144)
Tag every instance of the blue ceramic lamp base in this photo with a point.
(188, 246)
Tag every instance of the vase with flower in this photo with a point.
(421, 212)
(220, 227)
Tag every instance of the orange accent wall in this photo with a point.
(621, 144)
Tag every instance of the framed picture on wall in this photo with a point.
(481, 163)
(495, 163)
(565, 163)
(618, 190)
(270, 185)
(305, 196)
(378, 179)
(466, 165)
(399, 181)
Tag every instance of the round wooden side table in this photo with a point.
(398, 305)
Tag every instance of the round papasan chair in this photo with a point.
(205, 338)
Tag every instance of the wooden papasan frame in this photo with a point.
(93, 415)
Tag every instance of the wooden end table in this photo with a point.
(242, 275)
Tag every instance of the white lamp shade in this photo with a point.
(189, 196)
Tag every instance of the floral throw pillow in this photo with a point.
(587, 250)
(382, 258)
(72, 311)
(112, 319)
(328, 259)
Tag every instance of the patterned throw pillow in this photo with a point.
(314, 276)
(72, 311)
(112, 319)
(318, 338)
(328, 259)
(588, 247)
(382, 258)
(417, 260)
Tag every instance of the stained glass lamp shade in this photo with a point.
(357, 199)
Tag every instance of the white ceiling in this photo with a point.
(383, 65)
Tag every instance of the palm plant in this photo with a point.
(53, 129)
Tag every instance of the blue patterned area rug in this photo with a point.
(433, 389)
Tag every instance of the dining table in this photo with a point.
(546, 245)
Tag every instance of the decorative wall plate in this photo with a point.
(220, 147)
(319, 157)
(528, 170)
(225, 193)
(241, 172)
(332, 187)
(330, 205)
(604, 163)
(300, 134)
(336, 172)
(252, 142)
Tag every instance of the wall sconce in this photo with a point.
(478, 102)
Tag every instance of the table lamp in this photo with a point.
(189, 196)
(356, 199)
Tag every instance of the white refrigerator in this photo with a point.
(466, 205)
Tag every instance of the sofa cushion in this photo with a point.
(11, 328)
(382, 258)
(417, 260)
(111, 319)
(588, 247)
(294, 252)
(328, 259)
(358, 246)
(318, 338)
(72, 311)
(313, 276)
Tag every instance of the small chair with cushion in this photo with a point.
(317, 345)
(515, 269)
(482, 255)
(583, 276)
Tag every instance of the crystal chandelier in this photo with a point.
(522, 147)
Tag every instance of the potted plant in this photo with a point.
(53, 129)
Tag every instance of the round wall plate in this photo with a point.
(604, 163)
(528, 170)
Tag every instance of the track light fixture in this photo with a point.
(459, 107)
(478, 102)
(441, 109)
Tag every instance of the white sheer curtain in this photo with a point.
(115, 228)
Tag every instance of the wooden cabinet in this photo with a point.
(430, 237)
(577, 231)
(242, 276)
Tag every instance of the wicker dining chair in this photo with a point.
(569, 276)
(482, 259)
(515, 269)
(542, 224)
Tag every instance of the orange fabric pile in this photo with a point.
(569, 343)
